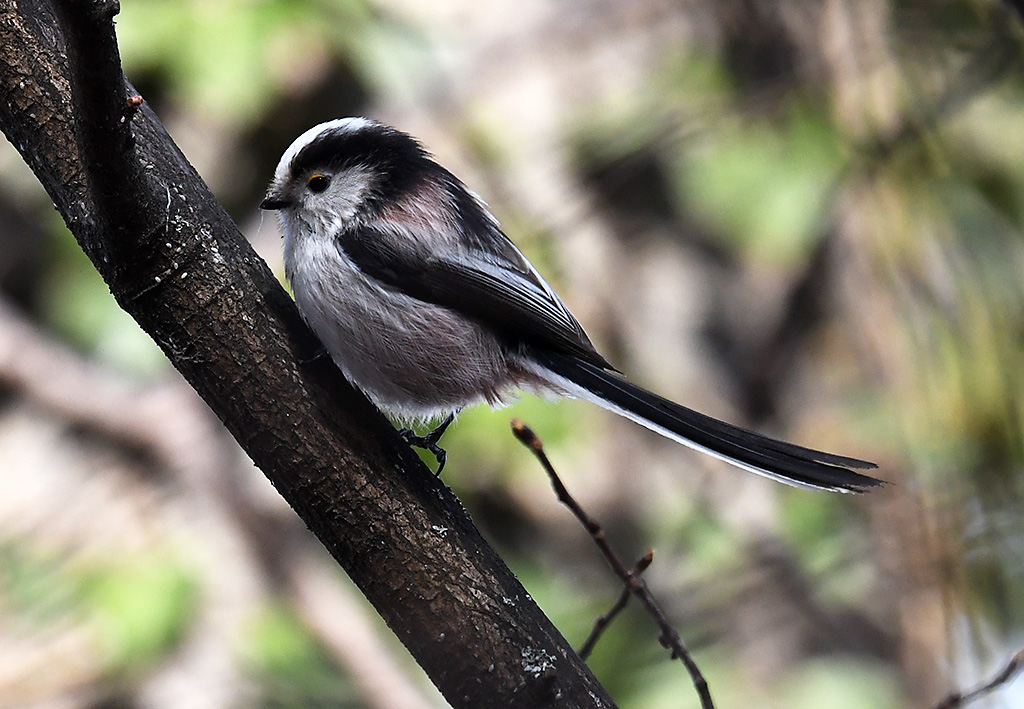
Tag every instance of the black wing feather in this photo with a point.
(509, 297)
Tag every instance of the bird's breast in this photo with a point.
(415, 359)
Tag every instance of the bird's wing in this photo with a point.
(496, 287)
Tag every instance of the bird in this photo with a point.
(427, 307)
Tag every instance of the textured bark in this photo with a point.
(174, 260)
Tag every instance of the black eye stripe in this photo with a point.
(318, 183)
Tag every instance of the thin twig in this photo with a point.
(634, 584)
(603, 621)
(1009, 671)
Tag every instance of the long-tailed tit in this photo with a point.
(428, 307)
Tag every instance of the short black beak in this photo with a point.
(273, 202)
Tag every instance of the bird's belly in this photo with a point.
(416, 360)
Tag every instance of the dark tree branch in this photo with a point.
(631, 579)
(174, 260)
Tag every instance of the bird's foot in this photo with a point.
(429, 441)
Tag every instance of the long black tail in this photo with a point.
(785, 462)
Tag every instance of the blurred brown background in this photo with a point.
(805, 217)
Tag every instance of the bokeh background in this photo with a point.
(805, 217)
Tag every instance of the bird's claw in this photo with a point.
(429, 442)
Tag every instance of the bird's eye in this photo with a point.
(318, 182)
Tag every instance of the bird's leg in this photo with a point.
(429, 441)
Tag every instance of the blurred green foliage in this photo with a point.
(137, 608)
(229, 60)
(289, 665)
(765, 185)
(142, 606)
(842, 683)
(37, 588)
